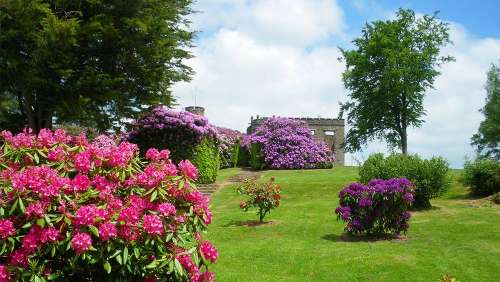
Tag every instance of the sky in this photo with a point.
(280, 57)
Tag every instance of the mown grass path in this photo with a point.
(303, 241)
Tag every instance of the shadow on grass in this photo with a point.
(248, 223)
(431, 208)
(363, 238)
(465, 196)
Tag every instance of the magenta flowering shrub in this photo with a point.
(286, 143)
(381, 207)
(70, 209)
(186, 135)
(229, 145)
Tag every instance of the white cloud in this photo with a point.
(297, 22)
(274, 60)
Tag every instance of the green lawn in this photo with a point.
(459, 236)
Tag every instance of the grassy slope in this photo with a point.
(459, 236)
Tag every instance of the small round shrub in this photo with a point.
(264, 196)
(429, 176)
(286, 143)
(482, 176)
(186, 135)
(380, 207)
(74, 210)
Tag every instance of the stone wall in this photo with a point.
(197, 110)
(329, 130)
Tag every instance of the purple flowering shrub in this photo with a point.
(229, 145)
(381, 207)
(186, 135)
(288, 144)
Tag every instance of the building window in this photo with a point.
(329, 132)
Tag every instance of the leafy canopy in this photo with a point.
(387, 73)
(91, 62)
(487, 139)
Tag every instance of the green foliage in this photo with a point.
(482, 176)
(205, 156)
(487, 139)
(429, 176)
(235, 154)
(91, 62)
(256, 157)
(243, 156)
(394, 62)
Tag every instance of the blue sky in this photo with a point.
(279, 57)
(480, 17)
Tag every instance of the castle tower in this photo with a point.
(197, 110)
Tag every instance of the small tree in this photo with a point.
(387, 74)
(264, 196)
(487, 139)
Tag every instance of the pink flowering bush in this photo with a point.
(71, 209)
(284, 143)
(186, 135)
(263, 196)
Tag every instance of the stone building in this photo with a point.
(329, 130)
(197, 110)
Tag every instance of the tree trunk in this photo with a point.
(404, 142)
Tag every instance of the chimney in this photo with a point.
(195, 110)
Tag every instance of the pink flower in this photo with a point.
(128, 233)
(19, 258)
(81, 242)
(129, 216)
(208, 251)
(152, 224)
(85, 215)
(56, 154)
(49, 235)
(35, 210)
(207, 277)
(83, 161)
(188, 169)
(6, 228)
(80, 183)
(152, 154)
(166, 209)
(107, 231)
(4, 273)
(189, 266)
(32, 240)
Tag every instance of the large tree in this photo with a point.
(387, 73)
(93, 63)
(487, 139)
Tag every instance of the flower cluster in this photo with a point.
(229, 143)
(288, 144)
(264, 196)
(83, 210)
(177, 129)
(186, 135)
(377, 208)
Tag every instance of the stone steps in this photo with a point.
(209, 189)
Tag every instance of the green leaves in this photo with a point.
(394, 62)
